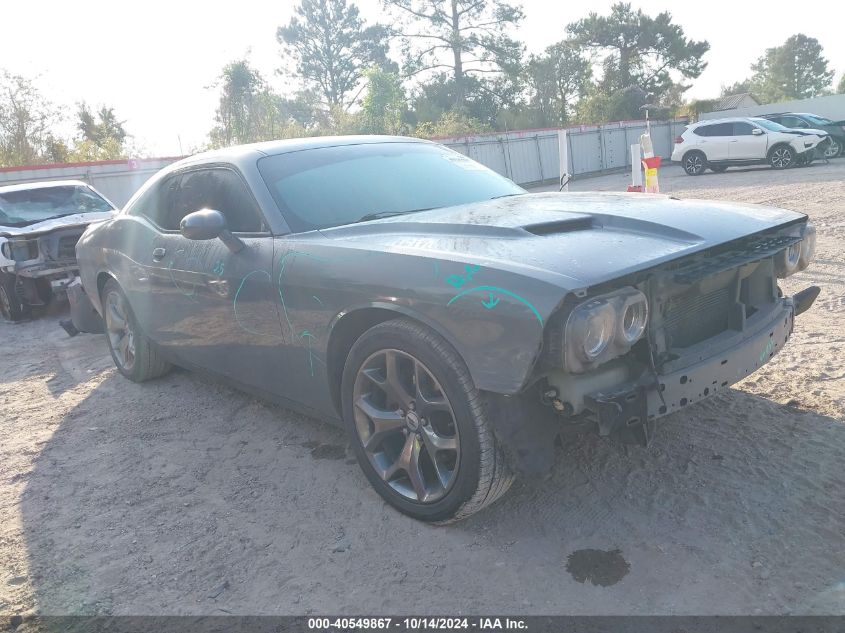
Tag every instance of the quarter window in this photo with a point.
(715, 129)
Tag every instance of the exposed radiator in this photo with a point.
(691, 318)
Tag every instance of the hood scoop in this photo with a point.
(554, 227)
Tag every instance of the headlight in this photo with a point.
(603, 328)
(597, 331)
(797, 256)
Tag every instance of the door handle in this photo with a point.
(158, 254)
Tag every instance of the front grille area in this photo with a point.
(691, 318)
(67, 247)
(713, 262)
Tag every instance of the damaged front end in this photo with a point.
(621, 355)
(41, 264)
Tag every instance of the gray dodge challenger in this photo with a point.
(455, 324)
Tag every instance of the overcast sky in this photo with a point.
(154, 61)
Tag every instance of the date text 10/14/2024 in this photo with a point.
(416, 623)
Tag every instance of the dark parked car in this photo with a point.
(804, 121)
(455, 324)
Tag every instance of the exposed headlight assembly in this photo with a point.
(603, 328)
(798, 256)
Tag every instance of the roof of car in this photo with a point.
(43, 184)
(272, 148)
(724, 120)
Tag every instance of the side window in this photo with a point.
(703, 130)
(222, 190)
(722, 129)
(741, 128)
(793, 122)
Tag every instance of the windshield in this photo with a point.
(28, 206)
(331, 186)
(818, 120)
(771, 125)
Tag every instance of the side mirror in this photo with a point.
(757, 131)
(207, 224)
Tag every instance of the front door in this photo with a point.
(745, 145)
(211, 307)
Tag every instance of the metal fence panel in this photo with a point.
(533, 156)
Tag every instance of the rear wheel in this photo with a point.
(782, 157)
(132, 352)
(694, 163)
(11, 308)
(417, 424)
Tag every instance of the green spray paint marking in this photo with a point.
(282, 264)
(490, 303)
(770, 346)
(235, 302)
(496, 289)
(309, 337)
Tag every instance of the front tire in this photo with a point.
(418, 426)
(11, 308)
(132, 352)
(694, 163)
(835, 148)
(782, 157)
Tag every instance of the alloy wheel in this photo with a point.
(781, 158)
(5, 304)
(833, 148)
(406, 425)
(119, 330)
(694, 164)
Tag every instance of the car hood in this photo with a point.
(573, 240)
(806, 132)
(64, 222)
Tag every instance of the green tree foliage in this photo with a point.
(248, 111)
(794, 70)
(640, 50)
(101, 126)
(26, 123)
(840, 89)
(620, 105)
(102, 135)
(736, 88)
(451, 123)
(384, 105)
(331, 48)
(557, 80)
(465, 38)
(483, 98)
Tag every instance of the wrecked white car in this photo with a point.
(40, 224)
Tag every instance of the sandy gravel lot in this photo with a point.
(182, 496)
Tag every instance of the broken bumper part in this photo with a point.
(631, 410)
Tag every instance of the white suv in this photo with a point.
(721, 143)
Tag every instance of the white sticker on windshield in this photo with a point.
(463, 161)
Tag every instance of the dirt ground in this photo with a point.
(182, 496)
